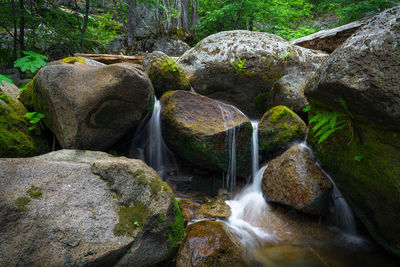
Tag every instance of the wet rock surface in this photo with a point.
(199, 129)
(295, 180)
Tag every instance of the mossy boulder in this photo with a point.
(295, 180)
(210, 243)
(164, 73)
(84, 208)
(199, 128)
(237, 66)
(361, 80)
(278, 129)
(364, 162)
(15, 138)
(92, 107)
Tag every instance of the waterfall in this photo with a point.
(340, 210)
(149, 146)
(254, 149)
(230, 177)
(249, 206)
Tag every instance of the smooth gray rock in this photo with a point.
(75, 215)
(213, 67)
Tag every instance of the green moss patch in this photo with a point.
(35, 192)
(131, 218)
(175, 231)
(260, 102)
(22, 202)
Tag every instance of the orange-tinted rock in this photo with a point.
(210, 243)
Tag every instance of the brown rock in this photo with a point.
(92, 107)
(209, 243)
(295, 180)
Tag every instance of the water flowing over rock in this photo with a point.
(363, 157)
(241, 67)
(278, 129)
(199, 129)
(92, 107)
(82, 208)
(15, 138)
(209, 243)
(295, 180)
(364, 72)
(165, 74)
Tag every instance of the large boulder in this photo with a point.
(241, 67)
(210, 243)
(364, 72)
(201, 131)
(363, 157)
(165, 74)
(295, 180)
(82, 208)
(16, 140)
(92, 107)
(278, 129)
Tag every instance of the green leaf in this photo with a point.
(29, 115)
(31, 128)
(358, 158)
(6, 78)
(307, 109)
(32, 61)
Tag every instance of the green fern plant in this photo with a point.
(35, 118)
(326, 123)
(32, 61)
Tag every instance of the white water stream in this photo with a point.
(149, 146)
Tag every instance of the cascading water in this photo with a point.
(248, 207)
(149, 146)
(341, 212)
(230, 177)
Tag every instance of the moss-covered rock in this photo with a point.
(109, 202)
(15, 138)
(364, 161)
(196, 127)
(165, 73)
(278, 128)
(26, 96)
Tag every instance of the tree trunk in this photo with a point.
(185, 14)
(131, 21)
(194, 15)
(85, 25)
(15, 36)
(21, 27)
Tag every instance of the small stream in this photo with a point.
(274, 236)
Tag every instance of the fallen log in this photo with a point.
(111, 59)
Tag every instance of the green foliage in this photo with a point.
(35, 192)
(35, 118)
(6, 78)
(307, 109)
(358, 158)
(238, 65)
(21, 203)
(32, 61)
(326, 123)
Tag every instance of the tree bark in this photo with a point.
(185, 14)
(21, 27)
(194, 15)
(131, 21)
(15, 36)
(85, 25)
